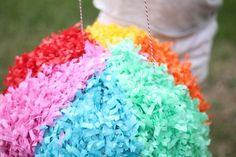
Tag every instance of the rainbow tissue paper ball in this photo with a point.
(100, 93)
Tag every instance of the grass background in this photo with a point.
(23, 23)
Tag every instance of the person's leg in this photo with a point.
(198, 46)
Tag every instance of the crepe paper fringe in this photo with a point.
(37, 100)
(108, 34)
(57, 49)
(124, 106)
(97, 123)
(181, 71)
(170, 123)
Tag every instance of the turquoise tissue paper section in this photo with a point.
(97, 123)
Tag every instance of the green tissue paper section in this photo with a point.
(170, 124)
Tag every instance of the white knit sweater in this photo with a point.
(174, 18)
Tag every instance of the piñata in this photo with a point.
(99, 92)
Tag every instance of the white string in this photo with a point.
(147, 19)
(81, 16)
(149, 29)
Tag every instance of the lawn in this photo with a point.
(220, 87)
(23, 23)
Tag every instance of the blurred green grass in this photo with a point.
(220, 87)
(23, 23)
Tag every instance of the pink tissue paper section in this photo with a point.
(37, 100)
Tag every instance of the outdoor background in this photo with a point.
(23, 23)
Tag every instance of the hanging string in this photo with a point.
(81, 16)
(147, 20)
(149, 29)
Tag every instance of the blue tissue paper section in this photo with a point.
(96, 124)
